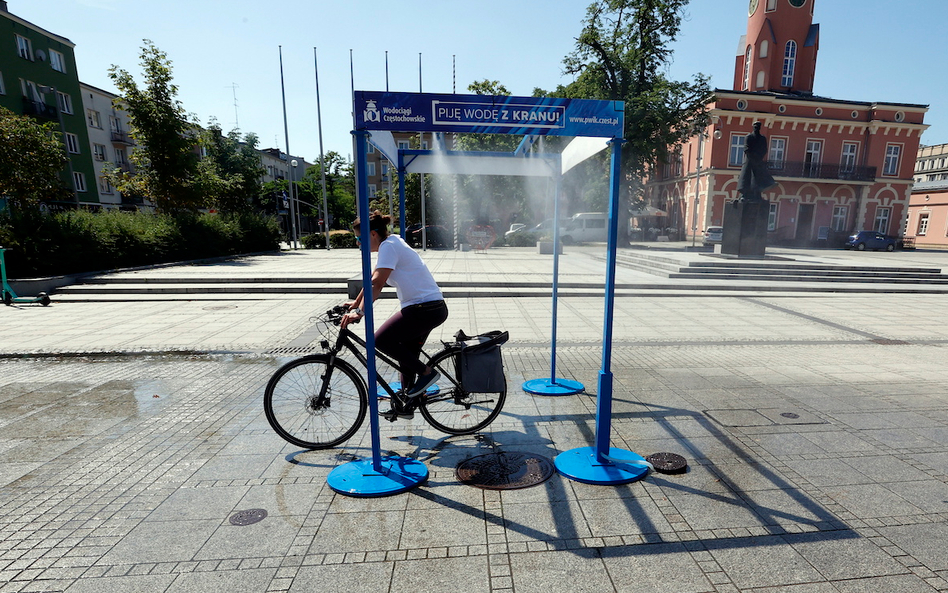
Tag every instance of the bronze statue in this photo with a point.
(755, 177)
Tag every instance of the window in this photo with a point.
(114, 124)
(80, 181)
(736, 155)
(747, 66)
(771, 5)
(99, 151)
(30, 91)
(764, 48)
(94, 120)
(848, 162)
(24, 47)
(882, 220)
(370, 149)
(57, 61)
(772, 217)
(678, 163)
(370, 169)
(922, 224)
(839, 218)
(778, 152)
(373, 191)
(3, 90)
(811, 163)
(104, 186)
(122, 159)
(891, 166)
(403, 145)
(65, 102)
(72, 143)
(384, 169)
(789, 63)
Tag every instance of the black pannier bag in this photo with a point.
(481, 363)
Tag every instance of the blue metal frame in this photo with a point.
(603, 465)
(392, 474)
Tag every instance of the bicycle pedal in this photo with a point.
(393, 414)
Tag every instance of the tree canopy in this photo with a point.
(31, 161)
(165, 159)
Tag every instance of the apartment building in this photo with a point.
(39, 78)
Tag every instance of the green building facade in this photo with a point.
(39, 78)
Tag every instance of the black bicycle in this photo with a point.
(320, 401)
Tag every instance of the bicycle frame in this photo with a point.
(349, 340)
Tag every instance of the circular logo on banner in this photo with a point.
(481, 237)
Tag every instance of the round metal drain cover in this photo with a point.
(504, 471)
(668, 463)
(219, 307)
(248, 517)
(789, 415)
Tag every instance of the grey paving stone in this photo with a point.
(129, 584)
(902, 584)
(442, 575)
(357, 578)
(272, 536)
(923, 542)
(843, 555)
(662, 568)
(161, 541)
(223, 581)
(758, 562)
(356, 532)
(574, 571)
(198, 503)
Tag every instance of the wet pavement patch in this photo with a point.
(505, 470)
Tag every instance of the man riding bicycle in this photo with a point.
(422, 305)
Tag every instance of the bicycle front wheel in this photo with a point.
(314, 404)
(454, 410)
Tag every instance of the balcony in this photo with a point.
(39, 109)
(821, 171)
(120, 137)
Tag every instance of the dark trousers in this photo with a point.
(405, 332)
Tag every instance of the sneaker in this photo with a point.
(422, 383)
(394, 413)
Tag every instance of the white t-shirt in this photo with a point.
(413, 282)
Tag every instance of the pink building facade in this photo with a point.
(840, 166)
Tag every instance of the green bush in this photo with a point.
(83, 241)
(345, 240)
(522, 239)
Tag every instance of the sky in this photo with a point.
(226, 56)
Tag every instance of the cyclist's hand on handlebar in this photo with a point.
(354, 316)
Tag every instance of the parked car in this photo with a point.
(517, 227)
(713, 235)
(437, 236)
(871, 240)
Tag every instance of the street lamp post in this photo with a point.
(59, 113)
(292, 172)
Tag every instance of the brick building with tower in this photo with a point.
(840, 165)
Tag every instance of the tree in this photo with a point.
(230, 169)
(166, 163)
(621, 54)
(340, 189)
(31, 161)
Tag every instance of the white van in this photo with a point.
(586, 227)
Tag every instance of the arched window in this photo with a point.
(764, 46)
(747, 67)
(789, 63)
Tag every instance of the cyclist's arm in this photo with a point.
(379, 278)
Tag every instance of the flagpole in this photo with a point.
(286, 132)
(322, 158)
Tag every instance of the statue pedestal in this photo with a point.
(745, 228)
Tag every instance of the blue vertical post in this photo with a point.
(392, 474)
(401, 195)
(600, 464)
(554, 385)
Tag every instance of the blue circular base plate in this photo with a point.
(432, 390)
(581, 465)
(359, 478)
(553, 387)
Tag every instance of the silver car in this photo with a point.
(713, 235)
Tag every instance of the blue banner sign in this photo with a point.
(485, 114)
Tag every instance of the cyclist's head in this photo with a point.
(378, 222)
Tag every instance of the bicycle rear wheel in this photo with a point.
(313, 404)
(454, 410)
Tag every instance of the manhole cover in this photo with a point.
(248, 517)
(790, 415)
(667, 463)
(504, 471)
(219, 307)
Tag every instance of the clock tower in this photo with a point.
(779, 51)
